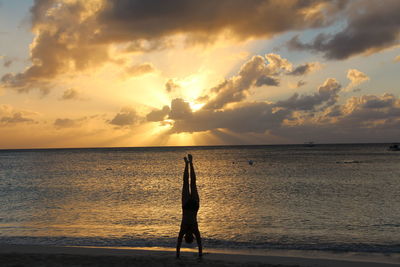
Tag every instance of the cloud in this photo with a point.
(376, 102)
(66, 123)
(305, 69)
(249, 117)
(265, 80)
(179, 110)
(140, 69)
(12, 116)
(326, 95)
(70, 94)
(371, 113)
(156, 19)
(372, 26)
(277, 64)
(368, 118)
(317, 116)
(62, 43)
(126, 117)
(158, 114)
(356, 77)
(256, 117)
(15, 118)
(171, 86)
(300, 83)
(71, 36)
(7, 62)
(147, 46)
(257, 71)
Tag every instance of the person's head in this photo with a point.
(189, 237)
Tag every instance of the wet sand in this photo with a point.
(27, 255)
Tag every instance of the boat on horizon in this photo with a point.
(394, 147)
(309, 144)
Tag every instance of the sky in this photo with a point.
(117, 73)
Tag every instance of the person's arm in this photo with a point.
(198, 239)
(179, 243)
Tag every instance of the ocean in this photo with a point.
(341, 198)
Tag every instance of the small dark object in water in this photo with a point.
(309, 144)
(394, 147)
(348, 161)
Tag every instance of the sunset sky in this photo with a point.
(101, 73)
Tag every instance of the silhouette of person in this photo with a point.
(190, 207)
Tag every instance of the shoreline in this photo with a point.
(37, 255)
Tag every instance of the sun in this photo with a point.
(195, 106)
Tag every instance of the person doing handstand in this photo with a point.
(190, 207)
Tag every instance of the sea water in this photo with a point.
(326, 197)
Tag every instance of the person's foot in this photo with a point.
(190, 157)
(186, 160)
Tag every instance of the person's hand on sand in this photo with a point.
(190, 157)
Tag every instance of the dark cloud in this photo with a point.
(316, 116)
(368, 118)
(126, 117)
(300, 83)
(376, 115)
(158, 114)
(327, 95)
(257, 71)
(265, 80)
(376, 102)
(127, 20)
(62, 43)
(372, 26)
(303, 69)
(180, 110)
(171, 86)
(75, 35)
(334, 111)
(250, 117)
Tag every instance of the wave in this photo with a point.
(168, 242)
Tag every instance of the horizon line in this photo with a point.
(194, 146)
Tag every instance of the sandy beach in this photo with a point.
(27, 255)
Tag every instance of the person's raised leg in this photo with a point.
(193, 187)
(185, 188)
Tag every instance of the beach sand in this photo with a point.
(27, 255)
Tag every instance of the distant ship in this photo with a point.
(309, 144)
(394, 147)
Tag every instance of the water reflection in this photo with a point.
(286, 196)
